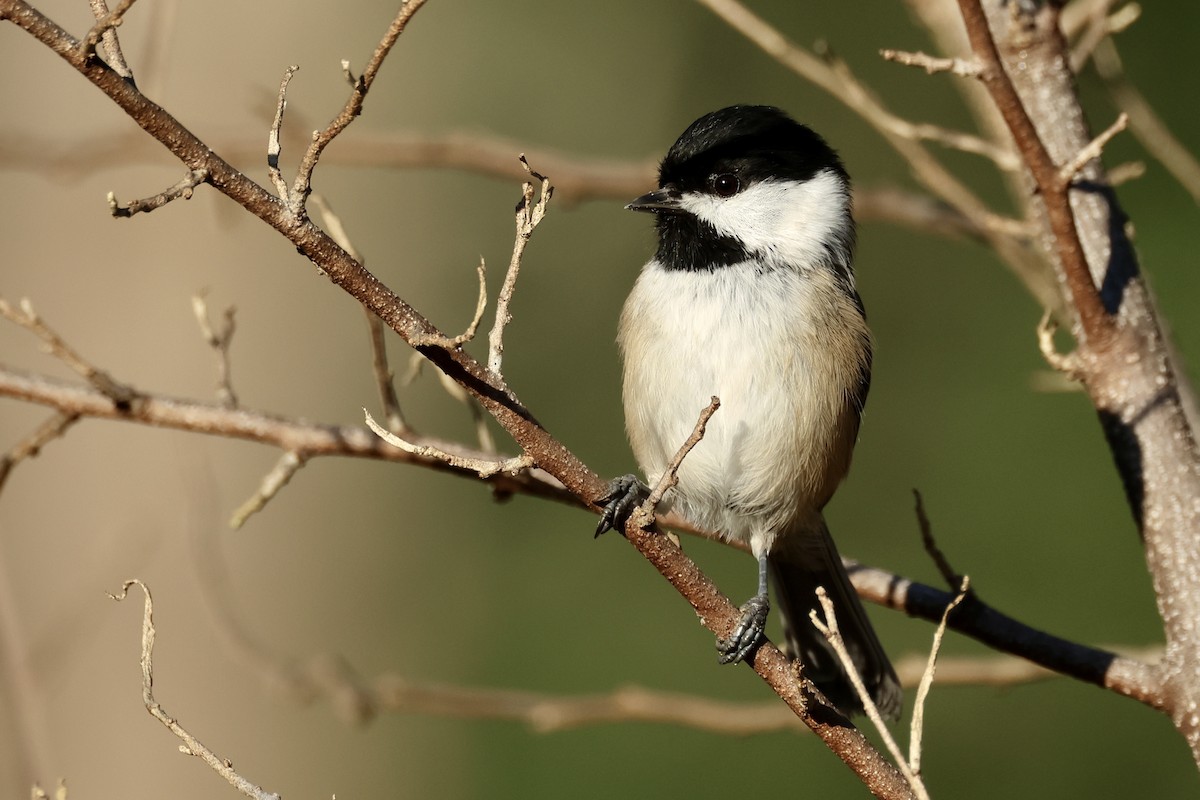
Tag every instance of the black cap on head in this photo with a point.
(753, 142)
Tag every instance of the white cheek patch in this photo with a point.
(791, 222)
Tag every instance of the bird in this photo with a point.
(750, 297)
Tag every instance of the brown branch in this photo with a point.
(717, 613)
(1097, 325)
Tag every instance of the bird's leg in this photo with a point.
(749, 631)
(624, 495)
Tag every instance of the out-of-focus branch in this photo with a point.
(577, 179)
(835, 77)
(31, 445)
(1144, 121)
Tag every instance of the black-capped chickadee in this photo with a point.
(751, 298)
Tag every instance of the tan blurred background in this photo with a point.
(402, 570)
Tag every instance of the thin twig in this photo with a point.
(528, 215)
(1093, 150)
(949, 575)
(829, 628)
(279, 476)
(1102, 26)
(966, 68)
(1066, 363)
(184, 188)
(220, 342)
(108, 38)
(439, 340)
(121, 394)
(273, 139)
(1144, 121)
(106, 21)
(670, 478)
(384, 379)
(191, 745)
(917, 727)
(486, 467)
(32, 444)
(302, 186)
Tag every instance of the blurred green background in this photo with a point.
(403, 570)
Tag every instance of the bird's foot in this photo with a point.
(748, 632)
(624, 495)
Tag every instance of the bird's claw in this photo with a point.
(747, 634)
(624, 495)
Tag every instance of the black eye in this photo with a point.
(725, 184)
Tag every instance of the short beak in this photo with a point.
(665, 199)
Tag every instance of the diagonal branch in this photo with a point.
(1097, 325)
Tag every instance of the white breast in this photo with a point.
(783, 350)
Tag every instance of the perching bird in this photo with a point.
(751, 298)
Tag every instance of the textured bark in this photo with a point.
(1130, 377)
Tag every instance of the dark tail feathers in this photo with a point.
(799, 564)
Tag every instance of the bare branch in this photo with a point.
(274, 148)
(122, 394)
(220, 342)
(302, 186)
(829, 627)
(1066, 363)
(1144, 121)
(279, 476)
(184, 188)
(966, 68)
(473, 326)
(1097, 325)
(1093, 150)
(949, 575)
(670, 478)
(31, 445)
(834, 77)
(191, 745)
(486, 467)
(917, 727)
(384, 379)
(528, 215)
(312, 439)
(106, 22)
(1100, 27)
(112, 44)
